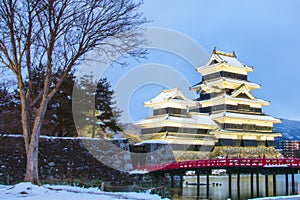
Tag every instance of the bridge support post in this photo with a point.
(251, 185)
(207, 185)
(238, 185)
(293, 183)
(287, 184)
(274, 185)
(229, 185)
(257, 184)
(181, 180)
(267, 184)
(198, 184)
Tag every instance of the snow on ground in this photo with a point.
(139, 172)
(28, 191)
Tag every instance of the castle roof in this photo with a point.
(220, 57)
(175, 96)
(166, 119)
(226, 96)
(242, 90)
(245, 116)
(234, 83)
(233, 61)
(174, 93)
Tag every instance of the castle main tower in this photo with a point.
(225, 93)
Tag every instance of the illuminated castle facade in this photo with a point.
(225, 121)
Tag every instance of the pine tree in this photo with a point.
(100, 114)
(105, 105)
(6, 98)
(58, 120)
(10, 114)
(59, 114)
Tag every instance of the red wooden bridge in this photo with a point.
(224, 163)
(252, 166)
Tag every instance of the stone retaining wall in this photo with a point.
(66, 158)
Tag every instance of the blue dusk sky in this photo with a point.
(263, 33)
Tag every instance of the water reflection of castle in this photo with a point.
(226, 119)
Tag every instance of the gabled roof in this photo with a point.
(229, 80)
(233, 61)
(219, 57)
(175, 95)
(242, 90)
(223, 57)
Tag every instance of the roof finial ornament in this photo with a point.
(215, 50)
(233, 53)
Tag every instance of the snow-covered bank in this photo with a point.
(29, 191)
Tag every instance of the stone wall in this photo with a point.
(245, 152)
(66, 158)
(151, 153)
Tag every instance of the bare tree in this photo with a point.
(53, 36)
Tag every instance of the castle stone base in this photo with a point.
(230, 152)
(191, 155)
(245, 152)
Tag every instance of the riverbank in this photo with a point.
(28, 191)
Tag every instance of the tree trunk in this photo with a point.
(32, 169)
(24, 114)
(32, 163)
(31, 139)
(32, 154)
(93, 122)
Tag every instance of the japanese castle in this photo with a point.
(226, 120)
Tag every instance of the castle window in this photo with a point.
(224, 74)
(249, 127)
(249, 143)
(243, 107)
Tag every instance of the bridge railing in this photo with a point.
(227, 162)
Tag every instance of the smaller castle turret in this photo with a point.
(187, 132)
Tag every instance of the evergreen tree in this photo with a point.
(6, 98)
(59, 114)
(100, 114)
(85, 121)
(10, 115)
(58, 120)
(108, 113)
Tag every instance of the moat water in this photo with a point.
(221, 191)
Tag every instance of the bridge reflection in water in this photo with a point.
(261, 175)
(220, 192)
